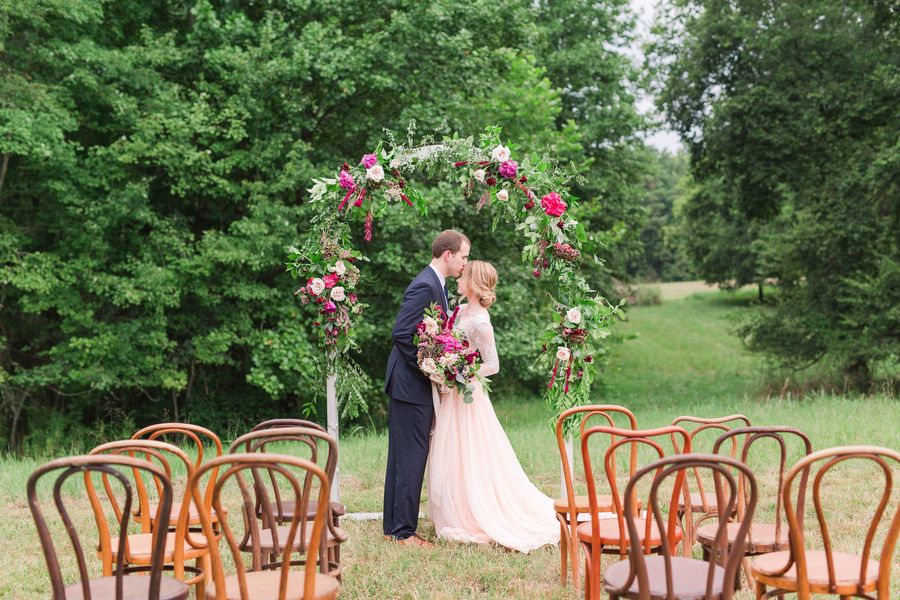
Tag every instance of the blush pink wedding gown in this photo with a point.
(477, 490)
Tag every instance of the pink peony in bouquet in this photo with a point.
(445, 355)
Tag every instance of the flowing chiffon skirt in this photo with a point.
(477, 490)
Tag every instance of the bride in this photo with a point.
(477, 491)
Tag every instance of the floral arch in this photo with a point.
(529, 195)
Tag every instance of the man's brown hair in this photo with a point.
(449, 239)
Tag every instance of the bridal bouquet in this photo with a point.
(446, 356)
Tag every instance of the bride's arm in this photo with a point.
(484, 340)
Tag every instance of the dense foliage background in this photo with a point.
(155, 156)
(791, 114)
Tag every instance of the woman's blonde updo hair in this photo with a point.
(481, 280)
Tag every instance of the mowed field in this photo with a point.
(681, 359)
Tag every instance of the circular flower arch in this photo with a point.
(529, 195)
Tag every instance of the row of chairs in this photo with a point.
(272, 510)
(717, 516)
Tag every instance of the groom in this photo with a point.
(411, 409)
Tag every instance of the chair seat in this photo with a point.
(287, 509)
(688, 578)
(583, 505)
(140, 546)
(263, 585)
(609, 532)
(762, 537)
(697, 502)
(134, 587)
(193, 514)
(846, 572)
(267, 545)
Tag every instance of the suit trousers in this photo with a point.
(409, 436)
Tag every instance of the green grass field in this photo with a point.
(682, 360)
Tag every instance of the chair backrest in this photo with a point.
(164, 455)
(273, 423)
(109, 467)
(288, 468)
(778, 433)
(179, 433)
(726, 498)
(702, 427)
(276, 508)
(586, 413)
(888, 463)
(654, 440)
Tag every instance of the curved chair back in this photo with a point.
(165, 455)
(778, 433)
(307, 439)
(199, 438)
(307, 538)
(651, 438)
(274, 423)
(586, 413)
(702, 427)
(887, 462)
(109, 466)
(721, 555)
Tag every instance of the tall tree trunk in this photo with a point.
(761, 297)
(3, 167)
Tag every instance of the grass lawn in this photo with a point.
(682, 360)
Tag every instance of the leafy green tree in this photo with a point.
(153, 164)
(790, 111)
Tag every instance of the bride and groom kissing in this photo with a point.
(477, 490)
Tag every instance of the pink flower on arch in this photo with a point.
(508, 169)
(329, 307)
(331, 280)
(369, 160)
(345, 179)
(553, 205)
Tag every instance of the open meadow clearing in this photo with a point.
(684, 360)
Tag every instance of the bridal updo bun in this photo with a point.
(481, 279)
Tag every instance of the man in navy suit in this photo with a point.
(411, 408)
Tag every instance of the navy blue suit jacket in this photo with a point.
(404, 381)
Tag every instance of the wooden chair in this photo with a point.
(611, 535)
(338, 509)
(198, 438)
(273, 508)
(670, 577)
(277, 579)
(825, 571)
(570, 507)
(763, 537)
(181, 544)
(703, 505)
(110, 585)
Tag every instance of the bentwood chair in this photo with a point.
(120, 584)
(612, 535)
(762, 537)
(304, 480)
(286, 508)
(198, 439)
(670, 577)
(274, 507)
(181, 544)
(571, 506)
(703, 504)
(805, 572)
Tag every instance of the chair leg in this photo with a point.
(200, 586)
(563, 553)
(745, 564)
(760, 590)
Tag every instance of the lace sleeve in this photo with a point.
(483, 336)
